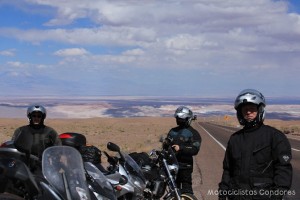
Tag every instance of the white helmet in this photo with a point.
(250, 96)
(184, 114)
(36, 108)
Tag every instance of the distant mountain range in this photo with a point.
(114, 106)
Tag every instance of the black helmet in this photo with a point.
(184, 116)
(73, 139)
(254, 97)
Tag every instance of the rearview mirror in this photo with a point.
(113, 147)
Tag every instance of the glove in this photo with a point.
(166, 144)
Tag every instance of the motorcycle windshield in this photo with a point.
(104, 188)
(133, 168)
(62, 166)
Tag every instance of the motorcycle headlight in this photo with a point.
(173, 169)
(139, 183)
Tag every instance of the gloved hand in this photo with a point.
(166, 143)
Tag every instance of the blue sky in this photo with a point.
(149, 48)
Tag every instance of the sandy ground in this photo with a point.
(143, 134)
(131, 134)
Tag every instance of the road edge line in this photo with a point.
(219, 143)
(295, 149)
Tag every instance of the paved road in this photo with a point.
(220, 135)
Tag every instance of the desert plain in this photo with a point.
(138, 134)
(132, 134)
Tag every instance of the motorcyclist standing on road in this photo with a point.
(43, 136)
(185, 140)
(257, 159)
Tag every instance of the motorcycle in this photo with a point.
(99, 186)
(160, 168)
(126, 176)
(130, 181)
(15, 176)
(20, 174)
(63, 169)
(123, 174)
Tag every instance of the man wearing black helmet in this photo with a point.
(185, 140)
(43, 136)
(257, 159)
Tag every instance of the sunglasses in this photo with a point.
(36, 116)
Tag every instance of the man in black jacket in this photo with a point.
(257, 159)
(185, 140)
(43, 136)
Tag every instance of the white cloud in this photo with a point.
(178, 25)
(210, 40)
(14, 74)
(9, 52)
(198, 32)
(42, 66)
(15, 64)
(106, 36)
(134, 52)
(20, 74)
(71, 52)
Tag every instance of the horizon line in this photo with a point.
(130, 96)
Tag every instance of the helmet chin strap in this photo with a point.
(182, 123)
(252, 123)
(257, 121)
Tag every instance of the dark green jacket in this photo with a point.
(43, 137)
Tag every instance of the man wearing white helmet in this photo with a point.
(43, 136)
(257, 159)
(185, 140)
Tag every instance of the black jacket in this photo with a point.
(189, 141)
(257, 158)
(43, 137)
